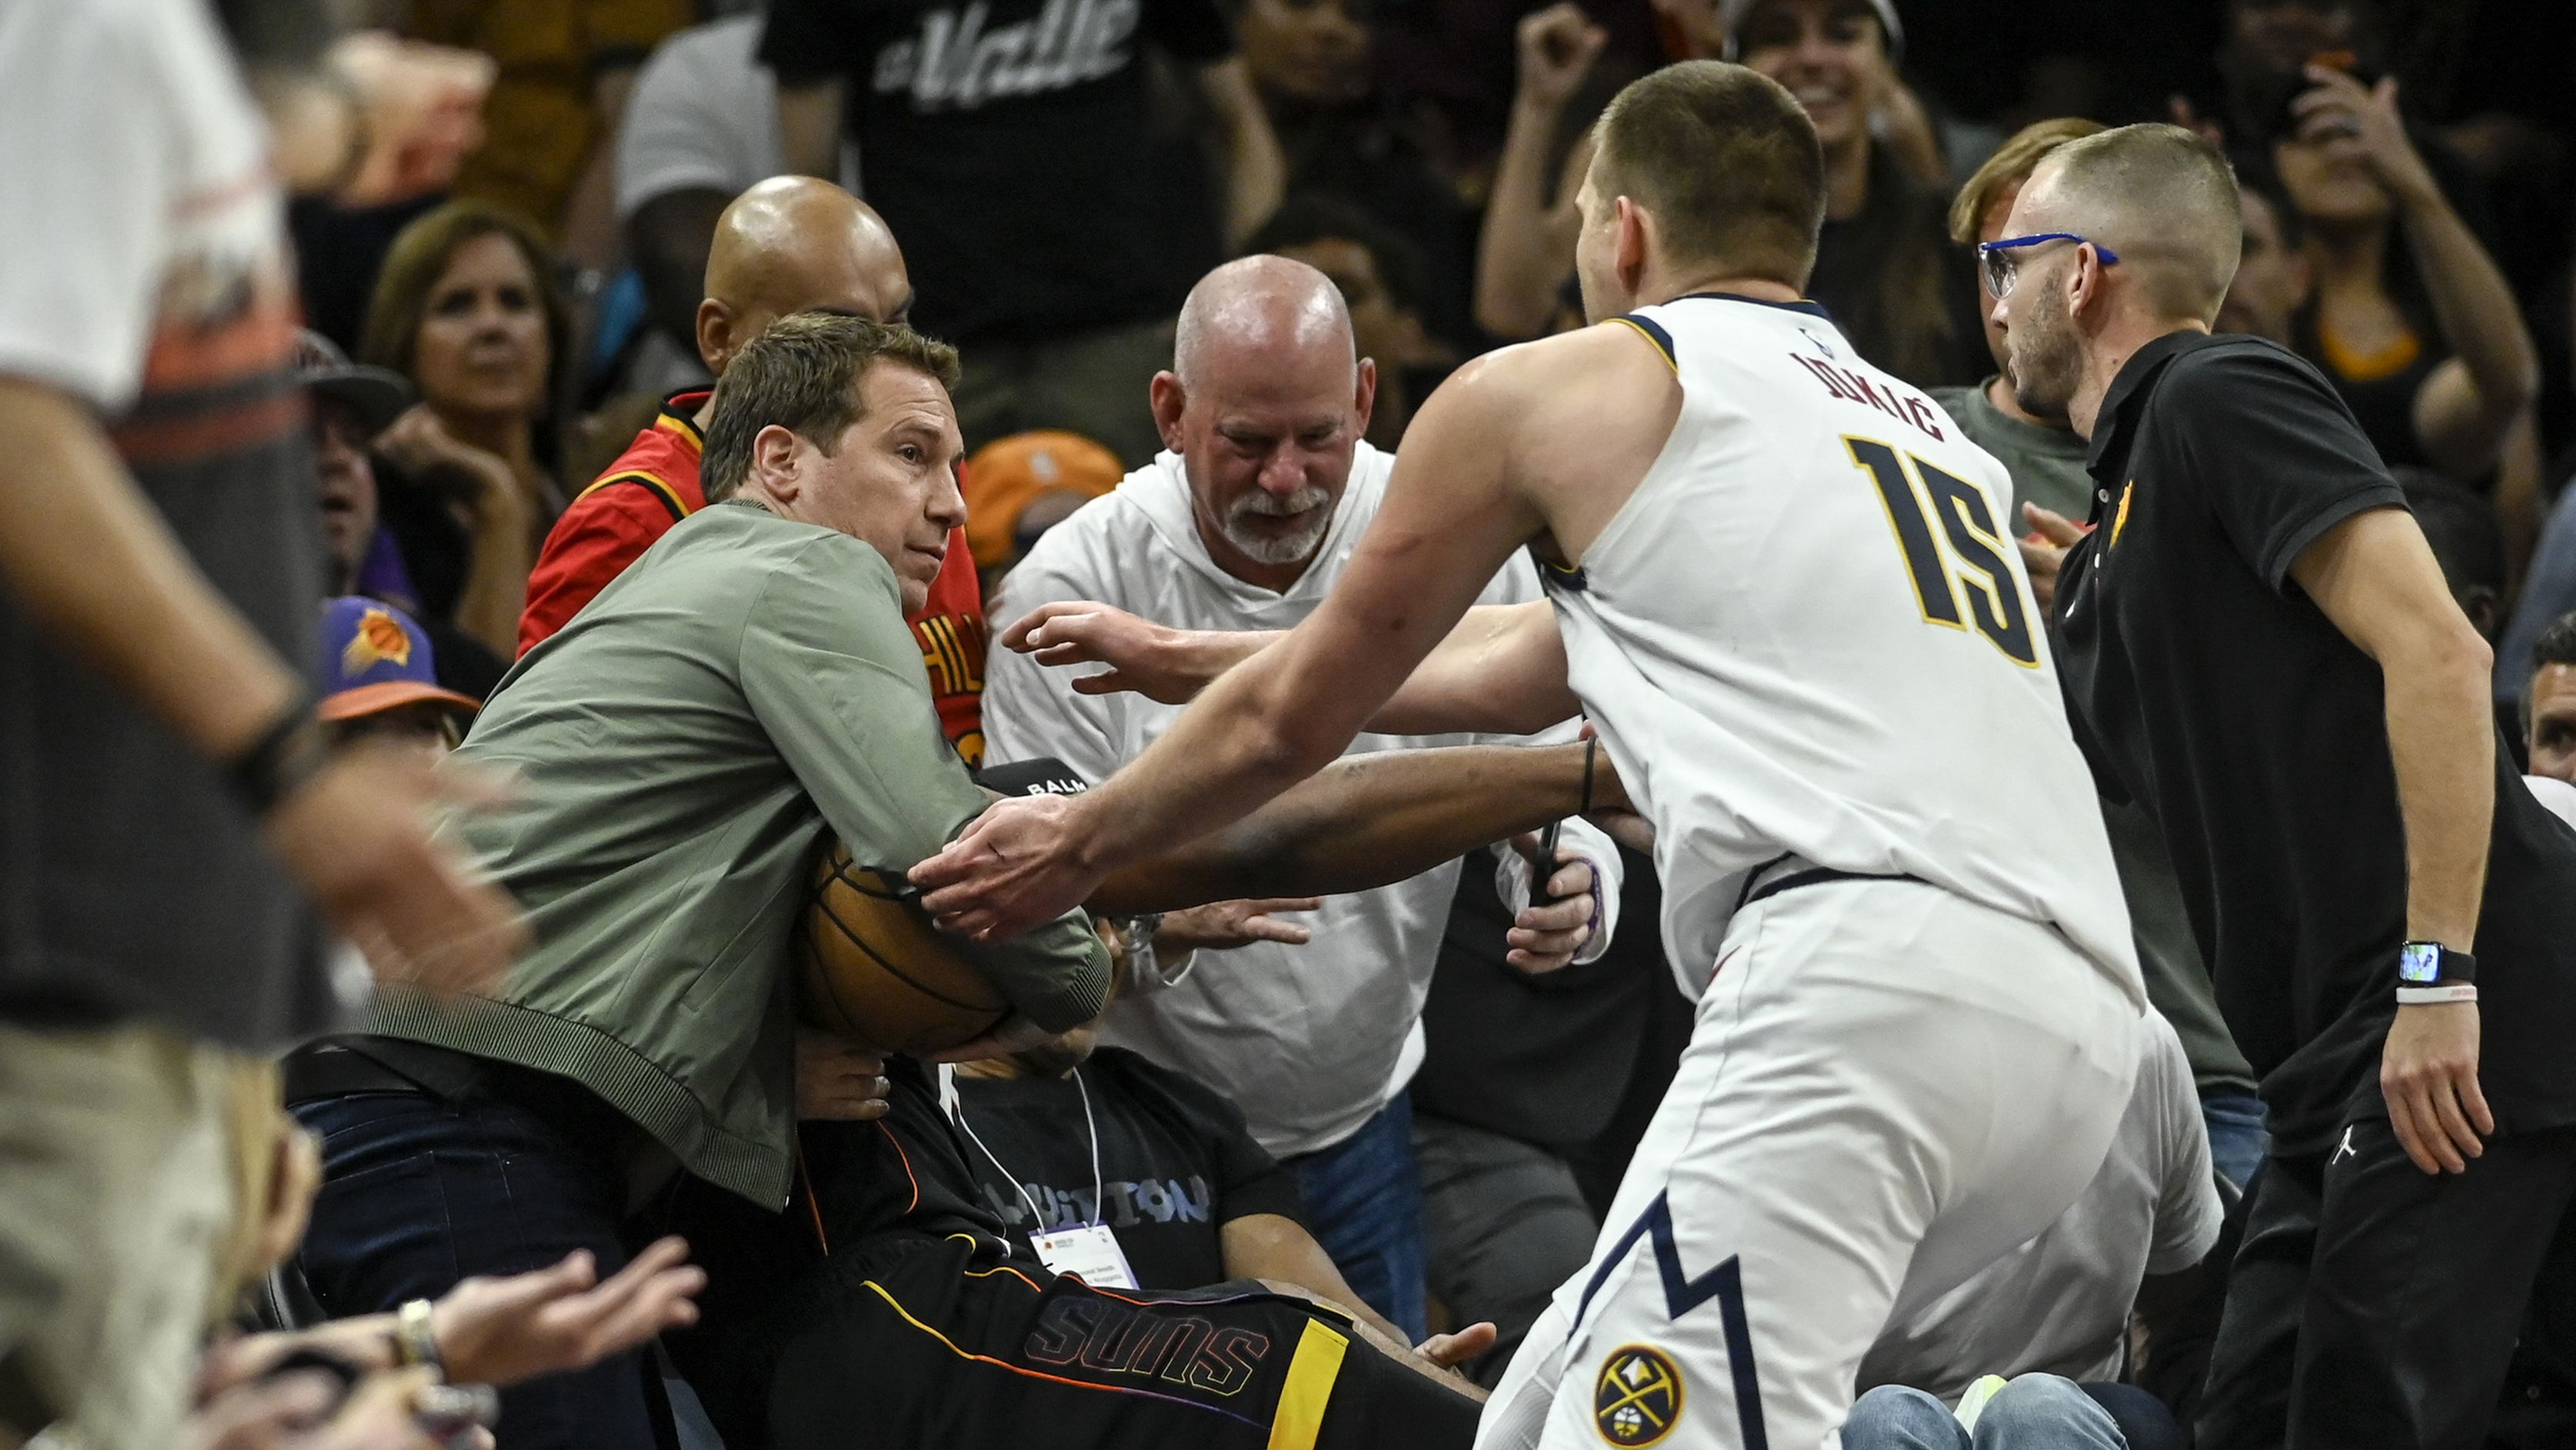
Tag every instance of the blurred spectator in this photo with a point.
(2046, 462)
(565, 67)
(2425, 343)
(1310, 61)
(2060, 1304)
(169, 789)
(701, 127)
(352, 405)
(2462, 532)
(1055, 223)
(2273, 278)
(1884, 264)
(1525, 253)
(2548, 594)
(466, 311)
(1062, 1136)
(1380, 277)
(1019, 487)
(1245, 524)
(380, 681)
(2549, 709)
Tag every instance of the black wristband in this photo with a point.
(290, 752)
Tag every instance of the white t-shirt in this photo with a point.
(139, 209)
(703, 116)
(2060, 1303)
(1310, 1040)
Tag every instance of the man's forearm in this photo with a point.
(84, 554)
(809, 129)
(1368, 821)
(1256, 173)
(2441, 737)
(1519, 255)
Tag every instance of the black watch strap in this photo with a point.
(2431, 964)
(289, 753)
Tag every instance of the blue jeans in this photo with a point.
(419, 1192)
(1363, 1199)
(2237, 1140)
(2034, 1412)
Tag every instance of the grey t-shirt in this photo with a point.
(2047, 466)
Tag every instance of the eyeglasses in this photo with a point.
(2001, 266)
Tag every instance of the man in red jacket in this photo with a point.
(787, 245)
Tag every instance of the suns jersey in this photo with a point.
(1807, 634)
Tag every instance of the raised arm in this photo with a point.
(1526, 249)
(2376, 578)
(1369, 820)
(2465, 409)
(1256, 174)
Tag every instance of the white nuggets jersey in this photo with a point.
(1808, 635)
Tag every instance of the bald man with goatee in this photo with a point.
(1245, 522)
(786, 245)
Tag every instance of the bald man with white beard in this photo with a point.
(1244, 523)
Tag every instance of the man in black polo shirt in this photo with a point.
(2258, 645)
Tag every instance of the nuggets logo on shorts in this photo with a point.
(1638, 1398)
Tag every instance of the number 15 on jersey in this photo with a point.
(1984, 573)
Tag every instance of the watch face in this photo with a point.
(2419, 962)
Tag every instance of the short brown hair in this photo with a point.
(1725, 160)
(2165, 199)
(2010, 166)
(419, 257)
(802, 373)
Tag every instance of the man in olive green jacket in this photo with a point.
(671, 760)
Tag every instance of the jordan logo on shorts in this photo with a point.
(2343, 1149)
(1638, 1398)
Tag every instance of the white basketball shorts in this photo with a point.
(1888, 1087)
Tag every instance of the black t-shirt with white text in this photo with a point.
(1176, 1162)
(1013, 147)
(2204, 684)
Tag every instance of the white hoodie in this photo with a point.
(1311, 1041)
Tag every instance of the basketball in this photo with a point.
(871, 966)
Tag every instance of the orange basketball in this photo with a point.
(872, 967)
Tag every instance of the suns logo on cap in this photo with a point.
(379, 637)
(1638, 1398)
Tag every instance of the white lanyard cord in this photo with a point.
(1037, 1220)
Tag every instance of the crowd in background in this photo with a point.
(480, 355)
(1424, 156)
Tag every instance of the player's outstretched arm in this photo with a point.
(1368, 821)
(1500, 672)
(1450, 518)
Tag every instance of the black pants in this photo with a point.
(420, 1191)
(908, 1340)
(2376, 1305)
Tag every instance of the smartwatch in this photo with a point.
(2429, 973)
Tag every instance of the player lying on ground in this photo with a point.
(1786, 604)
(886, 1308)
